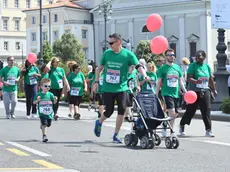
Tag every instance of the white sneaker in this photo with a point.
(34, 116)
(181, 131)
(28, 117)
(89, 107)
(13, 116)
(209, 133)
(8, 116)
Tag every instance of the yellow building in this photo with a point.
(13, 27)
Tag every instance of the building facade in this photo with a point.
(186, 25)
(58, 18)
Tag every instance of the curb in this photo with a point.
(214, 117)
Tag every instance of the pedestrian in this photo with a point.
(199, 79)
(78, 86)
(90, 79)
(58, 80)
(134, 85)
(45, 101)
(160, 61)
(151, 72)
(170, 81)
(115, 62)
(31, 77)
(10, 76)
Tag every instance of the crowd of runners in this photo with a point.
(107, 84)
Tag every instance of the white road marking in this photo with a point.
(1, 144)
(36, 152)
(216, 142)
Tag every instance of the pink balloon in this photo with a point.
(32, 57)
(153, 22)
(1, 84)
(158, 44)
(190, 97)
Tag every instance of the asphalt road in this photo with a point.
(73, 147)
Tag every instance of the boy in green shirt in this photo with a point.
(45, 101)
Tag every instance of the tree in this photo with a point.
(47, 52)
(69, 48)
(143, 51)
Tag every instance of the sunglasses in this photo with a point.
(158, 60)
(111, 43)
(46, 86)
(170, 55)
(10, 60)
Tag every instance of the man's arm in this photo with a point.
(159, 83)
(212, 85)
(98, 72)
(182, 85)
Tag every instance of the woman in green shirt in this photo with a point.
(78, 86)
(58, 80)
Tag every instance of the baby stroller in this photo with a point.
(149, 116)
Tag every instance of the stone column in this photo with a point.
(182, 36)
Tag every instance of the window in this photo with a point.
(192, 49)
(84, 34)
(55, 18)
(5, 3)
(173, 46)
(17, 25)
(44, 36)
(55, 35)
(85, 50)
(33, 35)
(6, 46)
(43, 19)
(33, 20)
(16, 3)
(28, 3)
(144, 29)
(5, 24)
(17, 45)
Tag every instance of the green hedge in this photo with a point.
(225, 106)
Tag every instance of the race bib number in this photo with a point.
(33, 80)
(11, 80)
(204, 83)
(101, 81)
(152, 83)
(74, 91)
(172, 81)
(60, 83)
(113, 76)
(132, 84)
(46, 107)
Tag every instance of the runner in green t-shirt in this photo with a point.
(115, 62)
(170, 80)
(45, 101)
(78, 86)
(10, 76)
(151, 69)
(200, 79)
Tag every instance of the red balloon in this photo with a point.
(32, 57)
(158, 44)
(190, 97)
(153, 22)
(1, 84)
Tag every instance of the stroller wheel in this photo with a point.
(168, 142)
(157, 140)
(175, 143)
(144, 142)
(128, 139)
(151, 143)
(134, 140)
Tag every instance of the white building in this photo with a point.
(58, 18)
(186, 25)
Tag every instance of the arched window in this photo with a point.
(144, 29)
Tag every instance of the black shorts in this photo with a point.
(100, 99)
(109, 99)
(129, 100)
(75, 100)
(45, 121)
(171, 102)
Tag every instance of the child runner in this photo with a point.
(45, 101)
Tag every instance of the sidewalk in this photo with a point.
(215, 115)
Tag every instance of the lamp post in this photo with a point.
(104, 9)
(221, 75)
(22, 54)
(41, 43)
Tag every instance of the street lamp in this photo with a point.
(104, 9)
(41, 43)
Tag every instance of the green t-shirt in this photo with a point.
(10, 75)
(116, 66)
(100, 85)
(29, 78)
(171, 80)
(56, 76)
(43, 76)
(153, 81)
(91, 75)
(76, 82)
(158, 67)
(45, 105)
(201, 72)
(133, 82)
